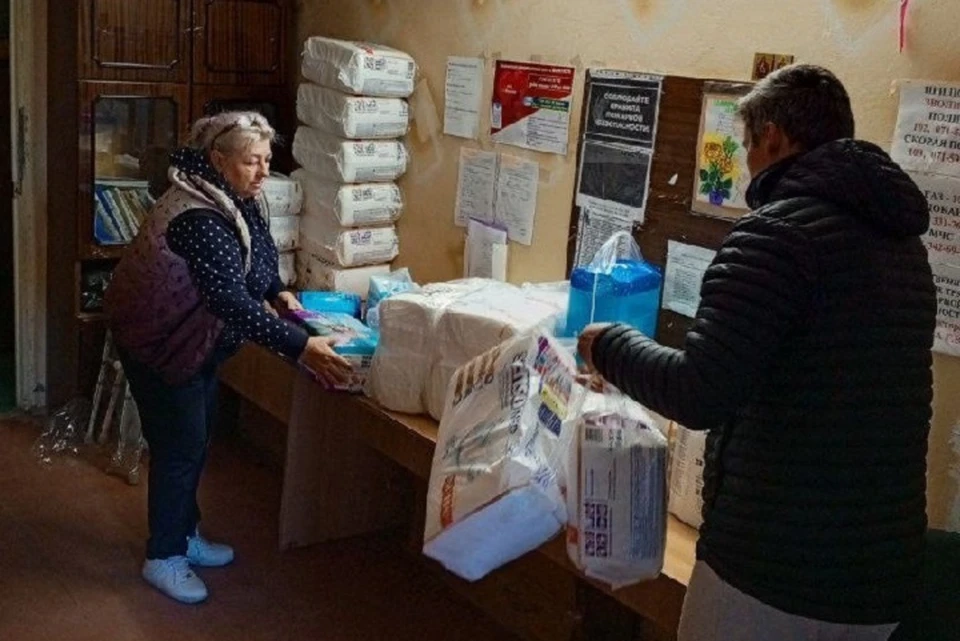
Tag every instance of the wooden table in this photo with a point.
(338, 483)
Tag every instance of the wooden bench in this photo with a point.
(338, 483)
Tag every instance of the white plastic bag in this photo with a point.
(359, 205)
(494, 494)
(352, 116)
(359, 68)
(616, 489)
(349, 161)
(348, 246)
(314, 273)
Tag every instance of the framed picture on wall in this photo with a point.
(721, 178)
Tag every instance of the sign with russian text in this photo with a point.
(927, 137)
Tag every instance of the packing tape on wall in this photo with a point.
(576, 62)
(426, 119)
(536, 57)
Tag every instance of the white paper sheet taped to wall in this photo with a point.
(616, 489)
(352, 116)
(357, 205)
(686, 475)
(476, 323)
(314, 273)
(348, 246)
(283, 196)
(349, 161)
(285, 231)
(494, 493)
(401, 366)
(358, 68)
(288, 268)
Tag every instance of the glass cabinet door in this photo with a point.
(128, 139)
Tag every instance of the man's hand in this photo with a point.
(331, 368)
(287, 302)
(587, 339)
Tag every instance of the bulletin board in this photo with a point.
(668, 213)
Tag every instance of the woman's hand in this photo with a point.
(287, 302)
(586, 341)
(329, 367)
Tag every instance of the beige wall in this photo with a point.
(703, 38)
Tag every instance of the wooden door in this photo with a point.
(239, 42)
(134, 40)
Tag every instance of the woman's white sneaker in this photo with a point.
(174, 578)
(207, 554)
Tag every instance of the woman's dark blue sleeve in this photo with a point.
(215, 261)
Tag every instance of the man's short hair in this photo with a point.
(807, 102)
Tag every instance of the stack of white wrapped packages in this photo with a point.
(353, 113)
(282, 201)
(426, 335)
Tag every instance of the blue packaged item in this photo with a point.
(331, 302)
(383, 287)
(354, 341)
(617, 287)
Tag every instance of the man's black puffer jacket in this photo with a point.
(809, 360)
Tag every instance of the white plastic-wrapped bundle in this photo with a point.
(346, 246)
(352, 116)
(283, 196)
(494, 492)
(616, 489)
(285, 231)
(358, 68)
(314, 273)
(401, 366)
(480, 321)
(686, 475)
(288, 269)
(360, 205)
(334, 159)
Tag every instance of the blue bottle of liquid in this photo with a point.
(628, 293)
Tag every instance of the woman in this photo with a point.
(200, 278)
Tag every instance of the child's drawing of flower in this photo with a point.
(718, 167)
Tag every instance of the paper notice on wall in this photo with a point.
(531, 106)
(946, 338)
(516, 204)
(476, 186)
(943, 237)
(927, 137)
(594, 229)
(486, 252)
(614, 177)
(464, 86)
(683, 276)
(620, 125)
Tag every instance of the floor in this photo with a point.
(71, 542)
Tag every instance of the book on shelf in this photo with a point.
(120, 207)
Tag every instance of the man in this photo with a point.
(809, 362)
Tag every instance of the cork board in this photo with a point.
(668, 213)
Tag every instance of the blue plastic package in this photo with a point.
(354, 341)
(331, 302)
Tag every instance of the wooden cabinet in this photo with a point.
(239, 42)
(272, 102)
(144, 70)
(127, 131)
(134, 40)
